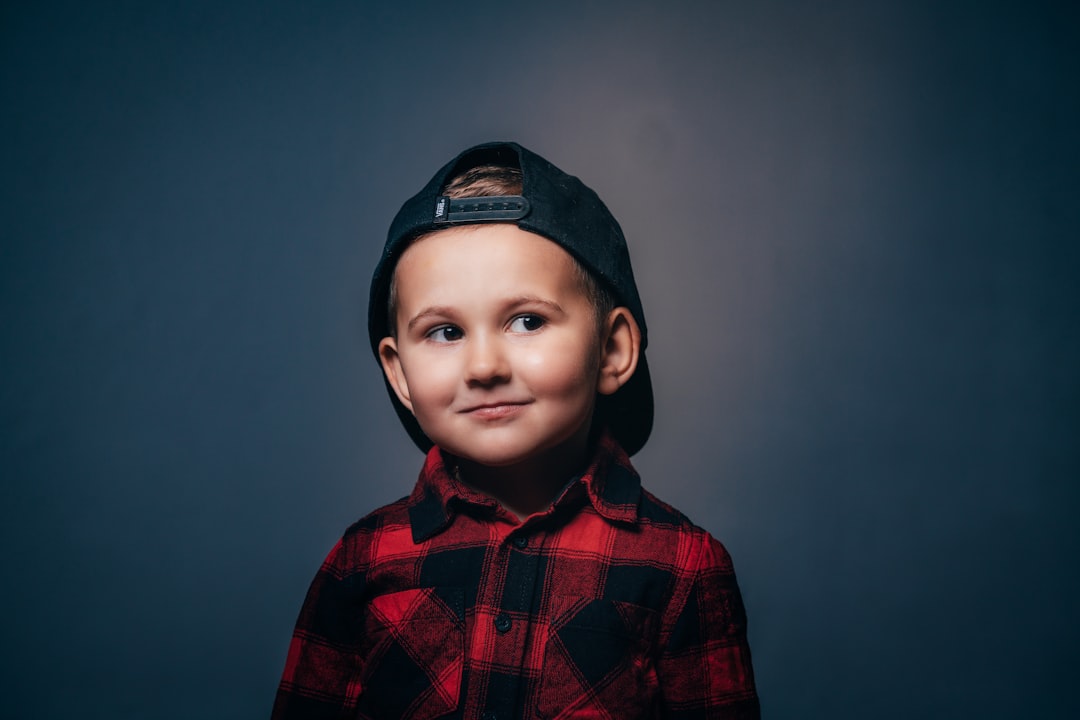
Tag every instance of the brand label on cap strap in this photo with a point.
(441, 206)
(480, 209)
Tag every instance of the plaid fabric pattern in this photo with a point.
(609, 605)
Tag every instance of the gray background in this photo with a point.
(855, 231)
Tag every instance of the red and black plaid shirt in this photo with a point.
(609, 605)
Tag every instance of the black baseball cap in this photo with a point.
(554, 205)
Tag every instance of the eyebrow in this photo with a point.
(437, 310)
(446, 310)
(551, 305)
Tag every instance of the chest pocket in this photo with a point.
(413, 654)
(598, 662)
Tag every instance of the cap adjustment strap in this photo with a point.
(480, 209)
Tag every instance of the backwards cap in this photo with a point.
(560, 208)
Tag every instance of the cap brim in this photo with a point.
(629, 412)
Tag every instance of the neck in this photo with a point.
(530, 487)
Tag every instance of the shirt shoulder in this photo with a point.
(699, 547)
(396, 511)
(376, 532)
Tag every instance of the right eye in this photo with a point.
(444, 334)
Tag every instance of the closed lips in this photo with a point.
(493, 406)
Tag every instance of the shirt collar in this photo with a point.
(611, 484)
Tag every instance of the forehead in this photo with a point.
(483, 259)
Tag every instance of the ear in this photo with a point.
(619, 352)
(391, 365)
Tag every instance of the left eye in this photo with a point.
(526, 323)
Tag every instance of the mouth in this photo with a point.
(494, 410)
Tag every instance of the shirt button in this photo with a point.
(520, 541)
(489, 716)
(503, 622)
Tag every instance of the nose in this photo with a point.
(486, 362)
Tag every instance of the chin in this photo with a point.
(509, 454)
(506, 447)
(495, 456)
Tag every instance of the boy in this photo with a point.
(528, 575)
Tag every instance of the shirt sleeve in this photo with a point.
(704, 667)
(321, 677)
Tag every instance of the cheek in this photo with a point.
(565, 369)
(428, 380)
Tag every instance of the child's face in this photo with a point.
(498, 349)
